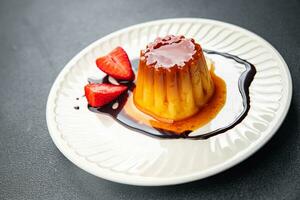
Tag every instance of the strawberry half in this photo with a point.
(99, 94)
(116, 64)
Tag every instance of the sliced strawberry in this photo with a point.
(99, 94)
(116, 64)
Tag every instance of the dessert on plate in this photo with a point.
(173, 80)
(175, 91)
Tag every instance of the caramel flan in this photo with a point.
(173, 80)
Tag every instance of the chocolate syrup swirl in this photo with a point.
(123, 118)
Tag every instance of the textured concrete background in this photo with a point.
(37, 38)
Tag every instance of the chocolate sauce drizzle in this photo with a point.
(120, 115)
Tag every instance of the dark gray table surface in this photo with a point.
(37, 38)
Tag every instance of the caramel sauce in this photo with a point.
(169, 51)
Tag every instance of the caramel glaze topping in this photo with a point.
(170, 51)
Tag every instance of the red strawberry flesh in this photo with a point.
(116, 64)
(99, 94)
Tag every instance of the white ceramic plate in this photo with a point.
(101, 146)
